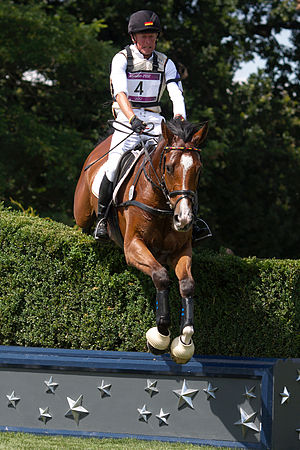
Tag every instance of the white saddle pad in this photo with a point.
(97, 180)
(99, 175)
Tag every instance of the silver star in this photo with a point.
(105, 389)
(285, 395)
(246, 421)
(12, 399)
(44, 415)
(298, 378)
(162, 417)
(51, 385)
(185, 395)
(76, 409)
(151, 387)
(249, 393)
(144, 413)
(210, 391)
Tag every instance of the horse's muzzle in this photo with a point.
(183, 216)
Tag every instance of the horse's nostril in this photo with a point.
(176, 218)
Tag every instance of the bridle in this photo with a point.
(161, 184)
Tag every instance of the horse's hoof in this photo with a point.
(154, 350)
(181, 353)
(157, 343)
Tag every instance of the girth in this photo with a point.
(146, 208)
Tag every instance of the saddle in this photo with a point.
(125, 167)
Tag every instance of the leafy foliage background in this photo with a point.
(249, 191)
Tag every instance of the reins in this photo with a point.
(161, 184)
(112, 123)
(160, 180)
(131, 202)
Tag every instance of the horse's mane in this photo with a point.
(182, 128)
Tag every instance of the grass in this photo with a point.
(20, 441)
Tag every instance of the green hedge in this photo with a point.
(59, 288)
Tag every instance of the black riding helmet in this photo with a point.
(144, 20)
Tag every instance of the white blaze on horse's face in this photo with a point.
(183, 213)
(186, 162)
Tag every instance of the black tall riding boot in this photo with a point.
(105, 193)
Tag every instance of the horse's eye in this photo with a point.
(169, 169)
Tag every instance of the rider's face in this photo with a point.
(145, 43)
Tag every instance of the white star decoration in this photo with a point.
(185, 395)
(44, 414)
(151, 387)
(76, 409)
(51, 385)
(105, 389)
(162, 417)
(144, 414)
(12, 399)
(285, 395)
(249, 393)
(210, 391)
(298, 377)
(246, 421)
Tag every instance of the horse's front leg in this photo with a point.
(138, 255)
(182, 347)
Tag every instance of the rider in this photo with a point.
(139, 75)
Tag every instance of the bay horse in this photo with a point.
(155, 209)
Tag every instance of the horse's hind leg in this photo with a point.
(83, 211)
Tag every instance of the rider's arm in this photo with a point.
(174, 88)
(119, 83)
(125, 105)
(137, 125)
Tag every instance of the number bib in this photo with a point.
(143, 88)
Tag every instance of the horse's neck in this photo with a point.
(154, 172)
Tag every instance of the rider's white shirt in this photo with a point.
(119, 80)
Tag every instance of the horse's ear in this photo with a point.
(167, 134)
(200, 136)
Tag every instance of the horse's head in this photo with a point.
(180, 169)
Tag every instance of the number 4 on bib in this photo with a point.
(139, 88)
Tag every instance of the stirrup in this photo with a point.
(200, 231)
(101, 229)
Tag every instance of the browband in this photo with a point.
(184, 148)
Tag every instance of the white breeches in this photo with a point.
(115, 155)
